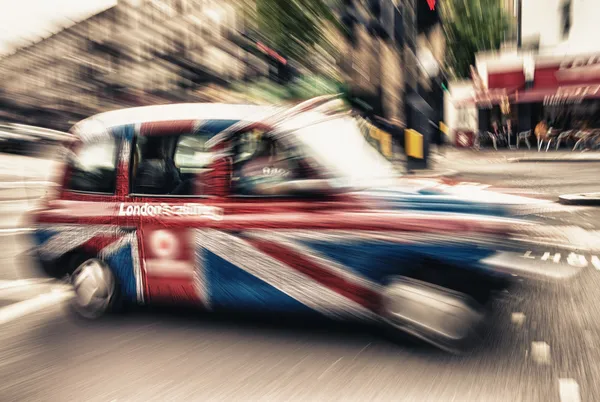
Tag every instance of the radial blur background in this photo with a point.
(490, 72)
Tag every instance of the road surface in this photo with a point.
(542, 345)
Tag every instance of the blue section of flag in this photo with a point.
(216, 126)
(378, 260)
(455, 207)
(435, 200)
(125, 132)
(231, 287)
(435, 203)
(41, 236)
(121, 263)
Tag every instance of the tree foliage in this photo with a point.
(294, 27)
(472, 26)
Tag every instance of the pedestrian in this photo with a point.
(439, 139)
(509, 132)
(495, 134)
(541, 133)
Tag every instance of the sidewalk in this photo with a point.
(580, 199)
(453, 161)
(558, 156)
(471, 156)
(522, 155)
(437, 169)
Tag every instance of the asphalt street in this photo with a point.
(543, 343)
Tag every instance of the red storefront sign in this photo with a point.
(559, 81)
(506, 79)
(545, 77)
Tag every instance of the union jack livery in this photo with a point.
(281, 210)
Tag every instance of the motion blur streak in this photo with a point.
(265, 200)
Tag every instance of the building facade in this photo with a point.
(561, 27)
(553, 76)
(137, 52)
(380, 68)
(159, 51)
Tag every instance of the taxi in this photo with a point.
(279, 210)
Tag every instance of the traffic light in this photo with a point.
(427, 15)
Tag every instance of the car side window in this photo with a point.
(246, 145)
(191, 154)
(170, 165)
(93, 167)
(262, 164)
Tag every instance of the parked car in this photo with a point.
(30, 140)
(251, 207)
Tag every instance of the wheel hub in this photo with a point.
(94, 286)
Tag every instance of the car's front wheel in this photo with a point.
(95, 289)
(445, 318)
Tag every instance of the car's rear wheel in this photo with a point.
(95, 289)
(440, 316)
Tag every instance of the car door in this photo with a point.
(239, 272)
(163, 192)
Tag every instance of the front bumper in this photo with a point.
(537, 251)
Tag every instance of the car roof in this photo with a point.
(212, 116)
(175, 112)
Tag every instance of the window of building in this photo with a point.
(93, 167)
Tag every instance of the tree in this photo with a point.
(471, 26)
(294, 27)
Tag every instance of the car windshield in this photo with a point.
(339, 145)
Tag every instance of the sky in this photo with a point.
(23, 21)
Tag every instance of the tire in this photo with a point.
(96, 289)
(445, 318)
(475, 284)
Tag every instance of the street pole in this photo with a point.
(519, 24)
(417, 112)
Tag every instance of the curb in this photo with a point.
(425, 174)
(580, 199)
(554, 160)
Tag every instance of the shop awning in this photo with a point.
(488, 98)
(584, 75)
(560, 95)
